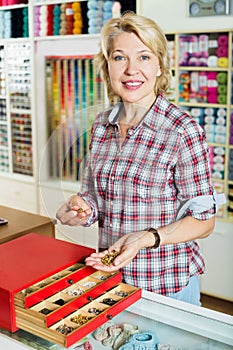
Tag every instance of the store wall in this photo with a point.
(172, 15)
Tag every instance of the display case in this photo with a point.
(179, 325)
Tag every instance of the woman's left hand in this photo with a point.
(127, 247)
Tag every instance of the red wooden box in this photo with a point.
(45, 284)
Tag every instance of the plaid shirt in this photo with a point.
(143, 182)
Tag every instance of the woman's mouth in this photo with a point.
(132, 85)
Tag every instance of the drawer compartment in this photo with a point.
(85, 319)
(43, 289)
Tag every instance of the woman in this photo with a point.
(147, 178)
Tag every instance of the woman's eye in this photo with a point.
(119, 58)
(145, 58)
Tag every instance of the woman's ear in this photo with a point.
(159, 72)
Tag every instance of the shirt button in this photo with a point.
(113, 177)
(110, 225)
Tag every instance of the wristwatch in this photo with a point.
(156, 236)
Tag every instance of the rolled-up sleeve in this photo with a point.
(192, 175)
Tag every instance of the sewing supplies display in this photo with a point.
(55, 295)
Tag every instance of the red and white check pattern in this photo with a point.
(143, 182)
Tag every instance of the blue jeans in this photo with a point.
(191, 293)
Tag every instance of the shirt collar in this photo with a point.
(114, 114)
(150, 118)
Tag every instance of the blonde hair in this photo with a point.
(149, 33)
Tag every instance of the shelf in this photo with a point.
(13, 7)
(55, 2)
(203, 105)
(67, 37)
(202, 69)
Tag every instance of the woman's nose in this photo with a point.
(131, 67)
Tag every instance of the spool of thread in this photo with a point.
(56, 19)
(223, 40)
(69, 19)
(212, 84)
(36, 25)
(50, 20)
(219, 159)
(209, 119)
(222, 99)
(211, 75)
(209, 137)
(212, 98)
(203, 83)
(219, 151)
(221, 78)
(212, 61)
(25, 23)
(222, 90)
(62, 30)
(220, 129)
(17, 23)
(77, 18)
(209, 111)
(222, 51)
(223, 62)
(43, 20)
(221, 112)
(196, 112)
(209, 128)
(219, 138)
(203, 45)
(95, 12)
(218, 175)
(220, 121)
(76, 7)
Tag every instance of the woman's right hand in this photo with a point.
(75, 212)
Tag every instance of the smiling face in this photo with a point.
(133, 69)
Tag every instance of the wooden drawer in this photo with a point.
(60, 301)
(84, 318)
(27, 261)
(45, 288)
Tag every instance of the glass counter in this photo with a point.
(175, 323)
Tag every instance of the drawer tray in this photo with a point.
(45, 288)
(85, 319)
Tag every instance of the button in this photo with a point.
(113, 178)
(110, 225)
